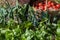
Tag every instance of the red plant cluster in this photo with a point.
(48, 5)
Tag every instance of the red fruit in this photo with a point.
(49, 2)
(48, 5)
(44, 7)
(54, 7)
(57, 6)
(41, 7)
(40, 4)
(52, 4)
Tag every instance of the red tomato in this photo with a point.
(57, 6)
(40, 4)
(48, 5)
(54, 7)
(41, 7)
(44, 7)
(49, 2)
(52, 4)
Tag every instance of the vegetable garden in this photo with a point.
(29, 19)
